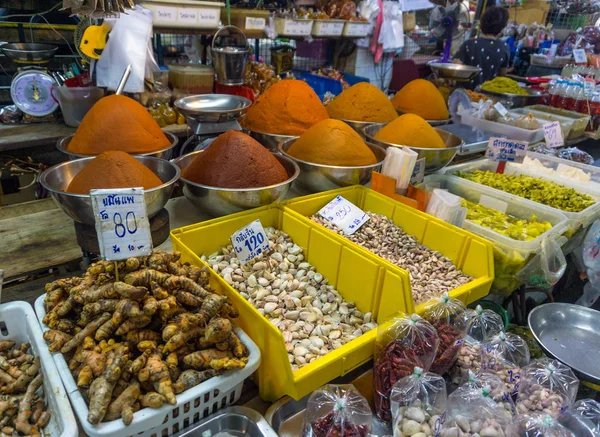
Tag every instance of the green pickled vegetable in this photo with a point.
(503, 85)
(536, 189)
(525, 333)
(504, 224)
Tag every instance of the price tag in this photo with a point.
(254, 23)
(332, 28)
(553, 135)
(580, 56)
(501, 109)
(345, 215)
(293, 27)
(121, 223)
(418, 173)
(354, 28)
(165, 13)
(501, 149)
(490, 202)
(186, 15)
(250, 241)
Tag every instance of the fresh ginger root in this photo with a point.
(123, 405)
(157, 372)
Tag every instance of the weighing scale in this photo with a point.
(31, 87)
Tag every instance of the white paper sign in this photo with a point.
(491, 202)
(121, 223)
(501, 109)
(418, 173)
(580, 57)
(254, 23)
(187, 15)
(345, 215)
(502, 149)
(356, 29)
(553, 134)
(331, 28)
(208, 16)
(292, 27)
(166, 13)
(250, 241)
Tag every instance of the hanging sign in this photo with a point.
(345, 215)
(250, 242)
(121, 223)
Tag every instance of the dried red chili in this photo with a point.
(447, 353)
(331, 425)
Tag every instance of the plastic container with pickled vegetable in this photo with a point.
(517, 238)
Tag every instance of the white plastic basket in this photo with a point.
(293, 27)
(328, 27)
(21, 326)
(192, 405)
(511, 132)
(357, 29)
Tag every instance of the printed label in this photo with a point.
(121, 223)
(345, 215)
(253, 23)
(250, 242)
(501, 149)
(580, 57)
(354, 29)
(208, 16)
(187, 15)
(331, 28)
(292, 27)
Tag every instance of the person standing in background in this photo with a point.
(487, 51)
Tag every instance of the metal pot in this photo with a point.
(230, 60)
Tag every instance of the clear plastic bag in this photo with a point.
(582, 418)
(497, 389)
(448, 316)
(468, 360)
(483, 325)
(402, 344)
(418, 404)
(505, 355)
(472, 411)
(537, 425)
(547, 386)
(337, 410)
(546, 268)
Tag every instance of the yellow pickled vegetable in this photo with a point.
(503, 85)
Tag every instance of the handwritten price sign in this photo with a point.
(344, 215)
(250, 241)
(553, 135)
(121, 223)
(500, 149)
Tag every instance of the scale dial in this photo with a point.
(31, 93)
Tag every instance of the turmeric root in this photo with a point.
(218, 329)
(103, 305)
(180, 323)
(157, 372)
(150, 306)
(140, 362)
(146, 344)
(191, 378)
(153, 400)
(122, 406)
(22, 423)
(229, 311)
(95, 360)
(181, 338)
(129, 291)
(172, 364)
(85, 377)
(88, 330)
(105, 291)
(9, 368)
(102, 387)
(106, 330)
(6, 345)
(213, 358)
(26, 377)
(238, 349)
(126, 309)
(138, 335)
(189, 299)
(135, 323)
(158, 292)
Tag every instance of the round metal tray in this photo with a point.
(212, 108)
(29, 52)
(459, 72)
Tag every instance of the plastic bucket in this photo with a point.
(76, 102)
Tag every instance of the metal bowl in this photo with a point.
(223, 201)
(447, 70)
(571, 334)
(433, 123)
(358, 126)
(435, 159)
(29, 52)
(79, 206)
(315, 178)
(269, 141)
(212, 108)
(515, 100)
(167, 153)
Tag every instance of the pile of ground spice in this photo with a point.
(113, 169)
(362, 102)
(421, 97)
(288, 107)
(412, 131)
(117, 123)
(235, 160)
(332, 142)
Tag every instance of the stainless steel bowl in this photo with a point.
(167, 153)
(515, 100)
(435, 159)
(358, 126)
(315, 178)
(433, 123)
(269, 141)
(79, 206)
(223, 201)
(29, 52)
(449, 70)
(212, 108)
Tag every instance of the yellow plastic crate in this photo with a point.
(469, 252)
(359, 277)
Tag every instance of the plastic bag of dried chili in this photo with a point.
(402, 344)
(418, 404)
(448, 316)
(505, 355)
(337, 411)
(482, 325)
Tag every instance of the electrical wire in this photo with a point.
(4, 17)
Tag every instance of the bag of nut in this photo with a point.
(582, 418)
(419, 404)
(482, 326)
(337, 410)
(402, 344)
(505, 355)
(448, 317)
(472, 412)
(537, 425)
(547, 386)
(497, 389)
